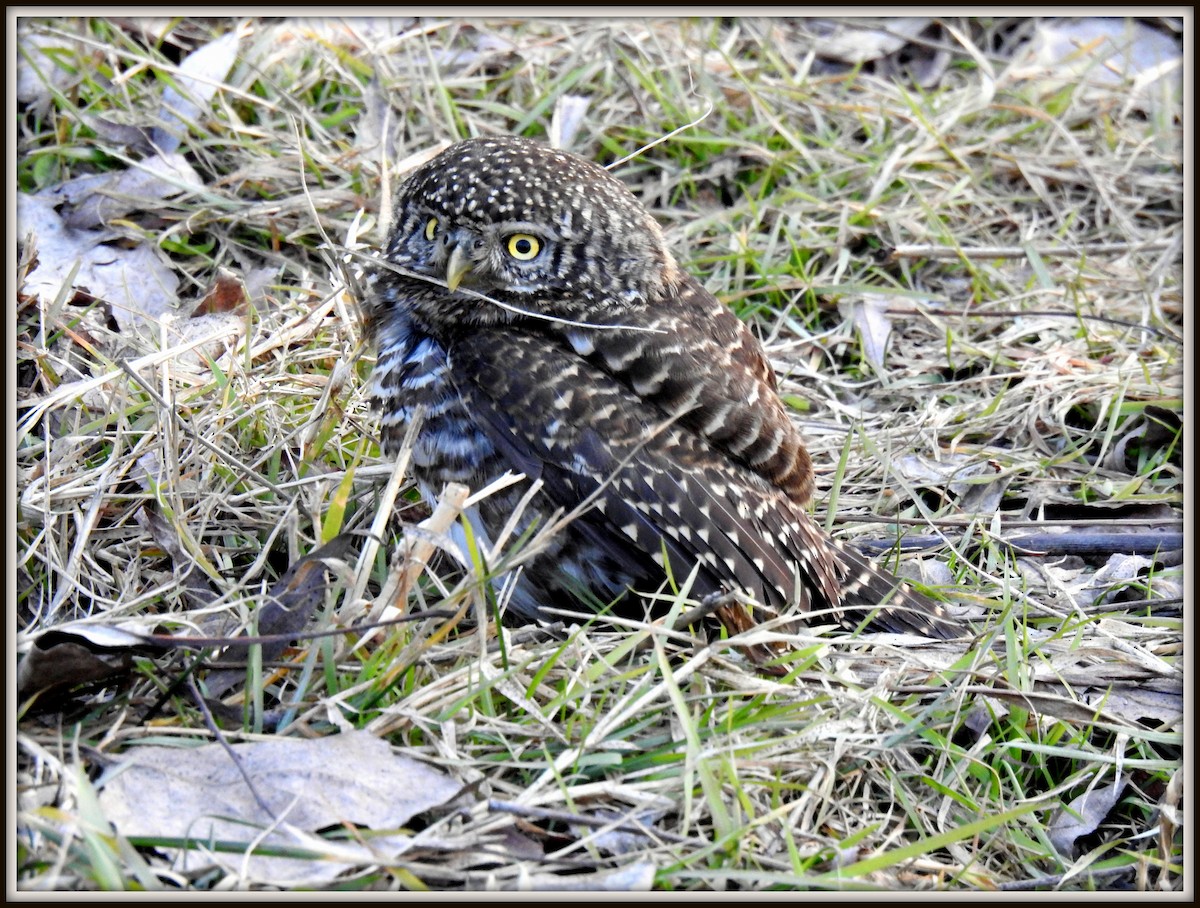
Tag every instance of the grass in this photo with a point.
(1027, 238)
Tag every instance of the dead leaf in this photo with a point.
(978, 485)
(227, 294)
(1083, 815)
(218, 329)
(1119, 570)
(96, 199)
(68, 226)
(39, 75)
(165, 535)
(73, 655)
(308, 785)
(979, 720)
(373, 134)
(112, 128)
(619, 841)
(927, 572)
(874, 327)
(287, 609)
(855, 41)
(1098, 51)
(137, 283)
(488, 48)
(982, 494)
(638, 877)
(569, 111)
(1102, 49)
(199, 76)
(1170, 819)
(1140, 704)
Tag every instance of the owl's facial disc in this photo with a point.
(488, 258)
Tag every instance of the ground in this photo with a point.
(962, 244)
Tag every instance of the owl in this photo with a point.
(530, 318)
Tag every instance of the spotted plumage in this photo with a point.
(529, 311)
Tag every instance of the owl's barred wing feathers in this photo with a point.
(659, 487)
(690, 356)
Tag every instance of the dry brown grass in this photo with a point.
(1034, 286)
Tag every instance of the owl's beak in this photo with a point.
(458, 266)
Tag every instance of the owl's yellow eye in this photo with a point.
(431, 227)
(524, 247)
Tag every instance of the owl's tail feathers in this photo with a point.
(869, 596)
(888, 603)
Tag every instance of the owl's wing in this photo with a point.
(715, 379)
(662, 488)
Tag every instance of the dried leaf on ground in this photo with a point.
(874, 327)
(137, 283)
(856, 41)
(95, 200)
(1083, 815)
(1099, 51)
(287, 608)
(197, 80)
(75, 654)
(307, 785)
(38, 75)
(637, 877)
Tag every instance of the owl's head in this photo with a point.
(542, 229)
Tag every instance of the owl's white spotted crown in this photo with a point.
(515, 179)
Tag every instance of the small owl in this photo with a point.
(530, 315)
